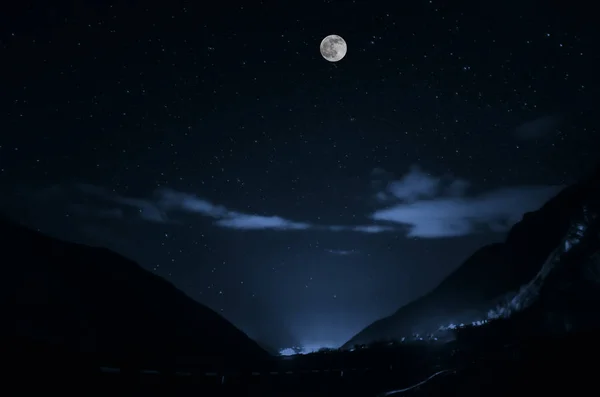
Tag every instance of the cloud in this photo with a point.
(418, 204)
(428, 209)
(415, 185)
(371, 228)
(537, 128)
(256, 222)
(341, 252)
(171, 200)
(146, 210)
(166, 204)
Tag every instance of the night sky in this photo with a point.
(299, 198)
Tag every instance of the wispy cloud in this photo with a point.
(165, 205)
(371, 228)
(146, 209)
(433, 207)
(537, 128)
(171, 200)
(237, 220)
(418, 204)
(341, 252)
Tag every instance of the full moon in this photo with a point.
(333, 48)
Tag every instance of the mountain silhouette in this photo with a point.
(491, 273)
(67, 298)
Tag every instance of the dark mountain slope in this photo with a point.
(81, 299)
(490, 272)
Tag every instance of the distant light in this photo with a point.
(306, 349)
(288, 351)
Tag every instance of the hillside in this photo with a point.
(490, 273)
(84, 300)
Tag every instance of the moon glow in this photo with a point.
(333, 48)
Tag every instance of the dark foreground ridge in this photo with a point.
(105, 309)
(559, 363)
